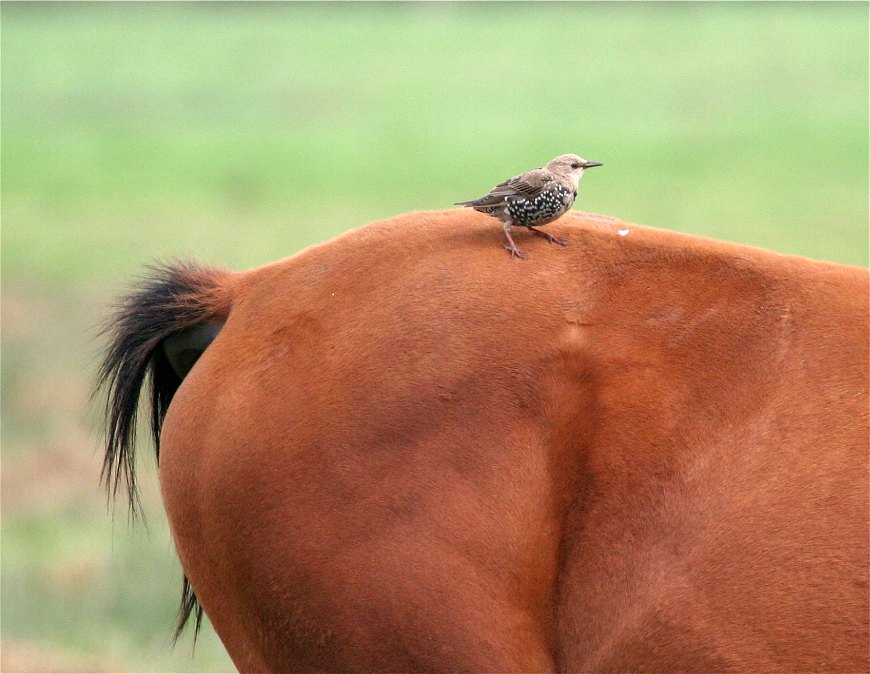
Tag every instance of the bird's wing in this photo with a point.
(528, 185)
(525, 186)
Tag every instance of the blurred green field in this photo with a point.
(243, 133)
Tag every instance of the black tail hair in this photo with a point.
(172, 297)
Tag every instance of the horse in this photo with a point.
(403, 451)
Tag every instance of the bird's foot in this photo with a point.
(511, 247)
(549, 237)
(516, 252)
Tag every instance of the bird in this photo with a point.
(534, 198)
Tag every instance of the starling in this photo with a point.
(534, 198)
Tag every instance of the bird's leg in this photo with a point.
(512, 247)
(549, 237)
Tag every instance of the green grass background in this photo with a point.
(243, 133)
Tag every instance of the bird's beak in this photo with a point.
(590, 164)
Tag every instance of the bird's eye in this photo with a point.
(575, 165)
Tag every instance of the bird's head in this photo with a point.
(571, 166)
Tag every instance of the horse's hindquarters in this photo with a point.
(370, 533)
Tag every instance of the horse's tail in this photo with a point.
(157, 332)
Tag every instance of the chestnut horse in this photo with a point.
(403, 451)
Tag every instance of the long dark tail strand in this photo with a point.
(172, 298)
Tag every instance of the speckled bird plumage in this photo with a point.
(534, 198)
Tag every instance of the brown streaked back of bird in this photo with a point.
(526, 185)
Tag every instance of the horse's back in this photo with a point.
(406, 451)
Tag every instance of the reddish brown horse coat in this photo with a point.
(407, 452)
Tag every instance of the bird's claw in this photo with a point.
(516, 252)
(549, 237)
